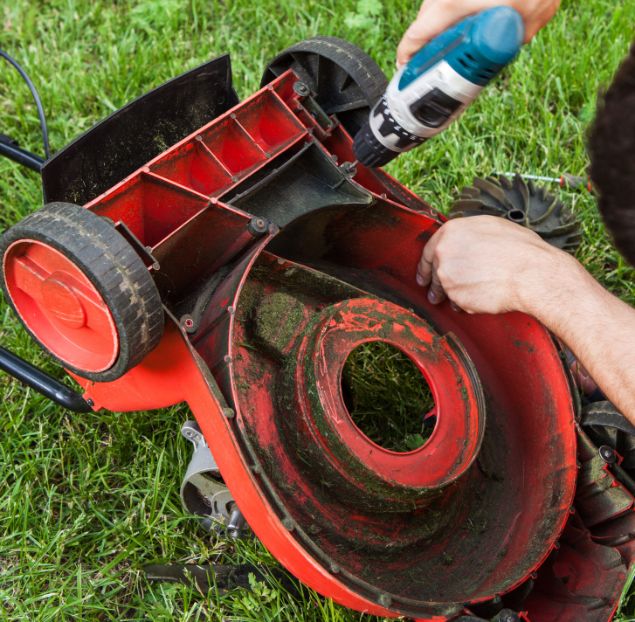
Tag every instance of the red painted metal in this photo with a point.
(321, 354)
(179, 374)
(480, 513)
(60, 305)
(515, 501)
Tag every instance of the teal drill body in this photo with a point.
(439, 83)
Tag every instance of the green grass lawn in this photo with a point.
(86, 500)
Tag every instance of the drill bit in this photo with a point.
(566, 180)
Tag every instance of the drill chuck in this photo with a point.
(371, 151)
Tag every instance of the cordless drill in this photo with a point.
(439, 83)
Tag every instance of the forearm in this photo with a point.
(598, 328)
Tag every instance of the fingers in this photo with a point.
(426, 275)
(539, 18)
(425, 267)
(436, 294)
(436, 16)
(424, 28)
(426, 271)
(417, 35)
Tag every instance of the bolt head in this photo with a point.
(607, 454)
(301, 89)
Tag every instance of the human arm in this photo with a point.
(435, 16)
(485, 264)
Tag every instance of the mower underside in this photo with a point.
(271, 258)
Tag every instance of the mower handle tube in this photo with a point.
(42, 383)
(10, 149)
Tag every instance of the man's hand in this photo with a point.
(485, 264)
(435, 16)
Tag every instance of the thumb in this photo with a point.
(431, 21)
(434, 18)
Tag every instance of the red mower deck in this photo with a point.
(271, 258)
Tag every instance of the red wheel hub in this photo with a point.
(61, 306)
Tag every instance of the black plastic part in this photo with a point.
(369, 151)
(344, 80)
(9, 149)
(606, 426)
(42, 383)
(144, 252)
(138, 132)
(435, 108)
(604, 414)
(307, 182)
(524, 203)
(112, 266)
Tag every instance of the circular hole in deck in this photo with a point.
(387, 397)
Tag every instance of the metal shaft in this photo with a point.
(566, 180)
(42, 382)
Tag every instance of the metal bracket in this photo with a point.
(203, 491)
(310, 104)
(143, 251)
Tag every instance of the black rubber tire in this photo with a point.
(525, 204)
(344, 80)
(114, 268)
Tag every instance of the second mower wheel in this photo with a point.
(345, 81)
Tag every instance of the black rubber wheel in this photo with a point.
(114, 269)
(523, 203)
(344, 80)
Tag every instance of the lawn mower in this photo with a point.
(233, 256)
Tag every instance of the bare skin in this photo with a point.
(435, 16)
(488, 265)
